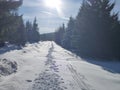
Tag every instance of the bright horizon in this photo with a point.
(51, 14)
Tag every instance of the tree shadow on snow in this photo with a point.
(110, 66)
(9, 48)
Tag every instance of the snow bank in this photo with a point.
(7, 67)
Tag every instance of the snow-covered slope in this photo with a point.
(47, 66)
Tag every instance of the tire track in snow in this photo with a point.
(49, 79)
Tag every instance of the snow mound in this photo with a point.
(7, 67)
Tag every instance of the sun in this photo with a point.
(53, 3)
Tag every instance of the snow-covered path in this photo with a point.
(47, 66)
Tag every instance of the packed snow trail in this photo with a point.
(47, 66)
(49, 79)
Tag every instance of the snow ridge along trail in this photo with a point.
(47, 66)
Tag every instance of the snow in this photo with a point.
(7, 67)
(47, 66)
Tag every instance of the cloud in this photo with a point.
(32, 3)
(55, 15)
(48, 13)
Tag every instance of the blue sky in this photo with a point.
(49, 19)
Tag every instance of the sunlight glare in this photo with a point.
(53, 3)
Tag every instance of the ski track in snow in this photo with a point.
(78, 79)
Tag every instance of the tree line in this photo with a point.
(12, 26)
(94, 33)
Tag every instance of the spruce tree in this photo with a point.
(32, 30)
(95, 26)
(67, 40)
(20, 34)
(59, 35)
(36, 34)
(29, 31)
(8, 18)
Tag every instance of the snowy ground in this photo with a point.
(47, 66)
